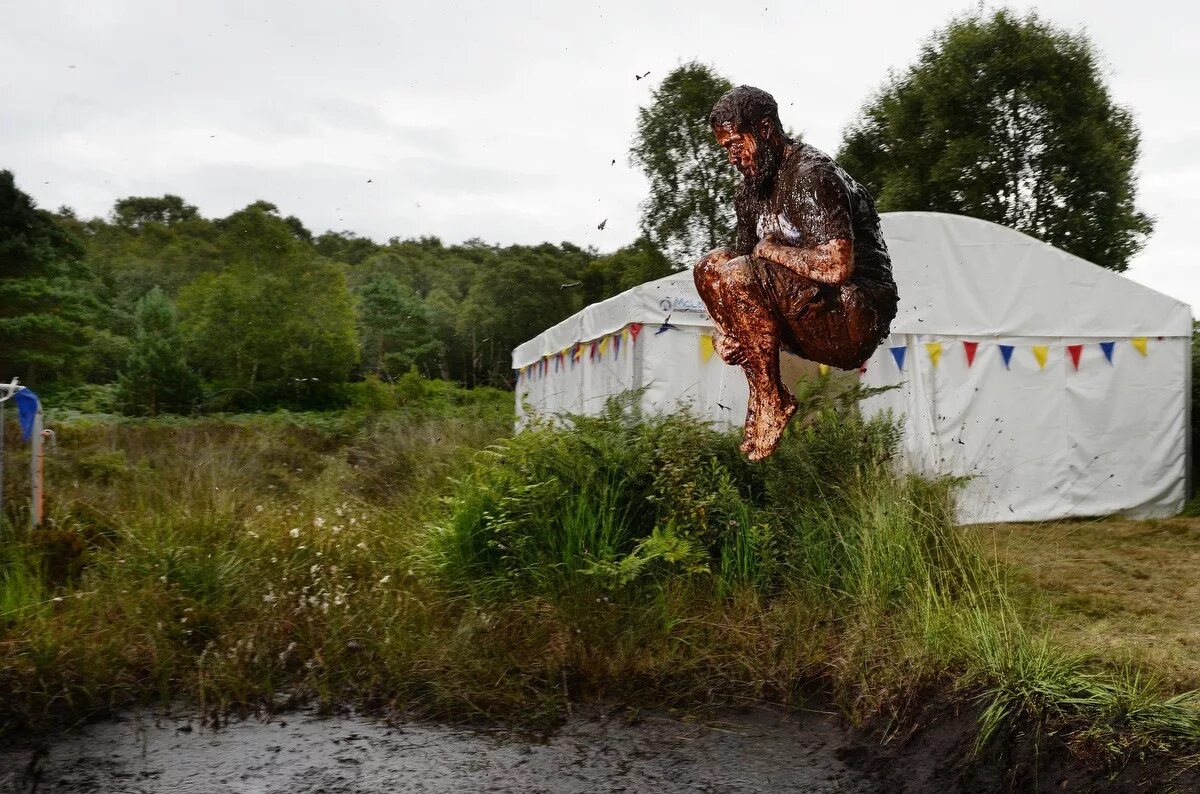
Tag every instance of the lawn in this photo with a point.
(1130, 590)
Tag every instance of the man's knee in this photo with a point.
(723, 267)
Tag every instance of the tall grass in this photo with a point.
(422, 558)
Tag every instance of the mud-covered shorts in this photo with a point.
(838, 325)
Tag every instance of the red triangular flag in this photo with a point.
(969, 348)
(634, 330)
(1075, 350)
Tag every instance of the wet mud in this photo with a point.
(596, 751)
(760, 750)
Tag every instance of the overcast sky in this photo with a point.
(497, 120)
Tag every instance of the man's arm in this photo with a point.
(831, 262)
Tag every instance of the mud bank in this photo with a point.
(756, 750)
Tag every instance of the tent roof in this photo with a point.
(959, 276)
(672, 296)
(956, 276)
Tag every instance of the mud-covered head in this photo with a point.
(745, 121)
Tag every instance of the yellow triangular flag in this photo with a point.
(1039, 352)
(935, 352)
(1139, 342)
(603, 345)
(625, 334)
(706, 347)
(823, 369)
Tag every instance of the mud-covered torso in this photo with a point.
(811, 201)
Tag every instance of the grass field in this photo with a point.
(1128, 589)
(419, 558)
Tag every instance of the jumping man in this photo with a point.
(809, 273)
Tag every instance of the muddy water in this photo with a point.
(758, 750)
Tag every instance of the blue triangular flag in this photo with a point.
(898, 354)
(1006, 354)
(1107, 347)
(27, 408)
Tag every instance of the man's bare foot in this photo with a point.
(729, 349)
(769, 428)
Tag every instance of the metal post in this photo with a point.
(37, 465)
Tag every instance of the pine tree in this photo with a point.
(157, 379)
(47, 308)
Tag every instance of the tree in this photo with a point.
(135, 211)
(624, 269)
(48, 314)
(277, 325)
(396, 330)
(1006, 119)
(690, 207)
(156, 378)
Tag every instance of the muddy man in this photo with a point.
(809, 273)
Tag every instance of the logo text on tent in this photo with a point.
(683, 305)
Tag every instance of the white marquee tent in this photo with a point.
(1059, 387)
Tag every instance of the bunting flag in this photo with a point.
(1139, 343)
(1006, 352)
(576, 353)
(898, 354)
(1075, 351)
(1107, 347)
(616, 344)
(706, 347)
(935, 352)
(969, 348)
(603, 348)
(1039, 352)
(634, 330)
(823, 369)
(592, 352)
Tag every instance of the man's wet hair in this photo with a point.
(745, 107)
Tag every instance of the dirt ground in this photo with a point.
(1127, 589)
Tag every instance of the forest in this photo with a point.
(157, 308)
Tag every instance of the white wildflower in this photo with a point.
(318, 522)
(258, 508)
(386, 579)
(295, 532)
(361, 545)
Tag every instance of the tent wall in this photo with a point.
(1044, 443)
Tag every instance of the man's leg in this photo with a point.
(744, 315)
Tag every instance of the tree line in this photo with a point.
(1001, 117)
(254, 310)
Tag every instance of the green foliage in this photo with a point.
(157, 378)
(618, 497)
(396, 330)
(1007, 119)
(136, 211)
(690, 208)
(276, 326)
(48, 314)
